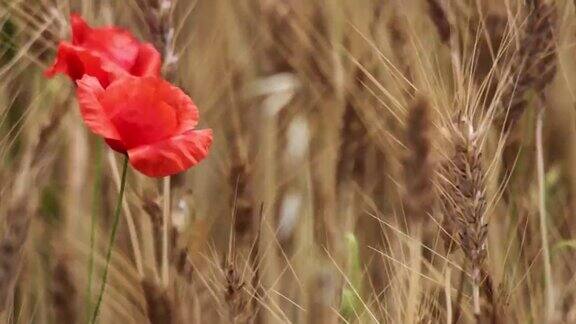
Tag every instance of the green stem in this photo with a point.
(112, 239)
(95, 213)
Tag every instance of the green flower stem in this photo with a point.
(94, 216)
(112, 239)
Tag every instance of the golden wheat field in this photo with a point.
(372, 161)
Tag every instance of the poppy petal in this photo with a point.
(173, 155)
(107, 53)
(186, 110)
(75, 62)
(89, 92)
(79, 28)
(139, 112)
(148, 62)
(114, 44)
(72, 67)
(116, 145)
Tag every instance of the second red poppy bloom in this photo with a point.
(105, 53)
(147, 118)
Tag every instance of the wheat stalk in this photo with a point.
(63, 291)
(23, 203)
(161, 27)
(535, 61)
(159, 306)
(418, 165)
(464, 200)
(536, 68)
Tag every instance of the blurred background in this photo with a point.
(374, 161)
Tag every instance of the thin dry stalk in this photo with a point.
(241, 171)
(254, 261)
(325, 118)
(548, 278)
(160, 23)
(154, 211)
(448, 295)
(166, 225)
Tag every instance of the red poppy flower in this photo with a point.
(149, 119)
(105, 53)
